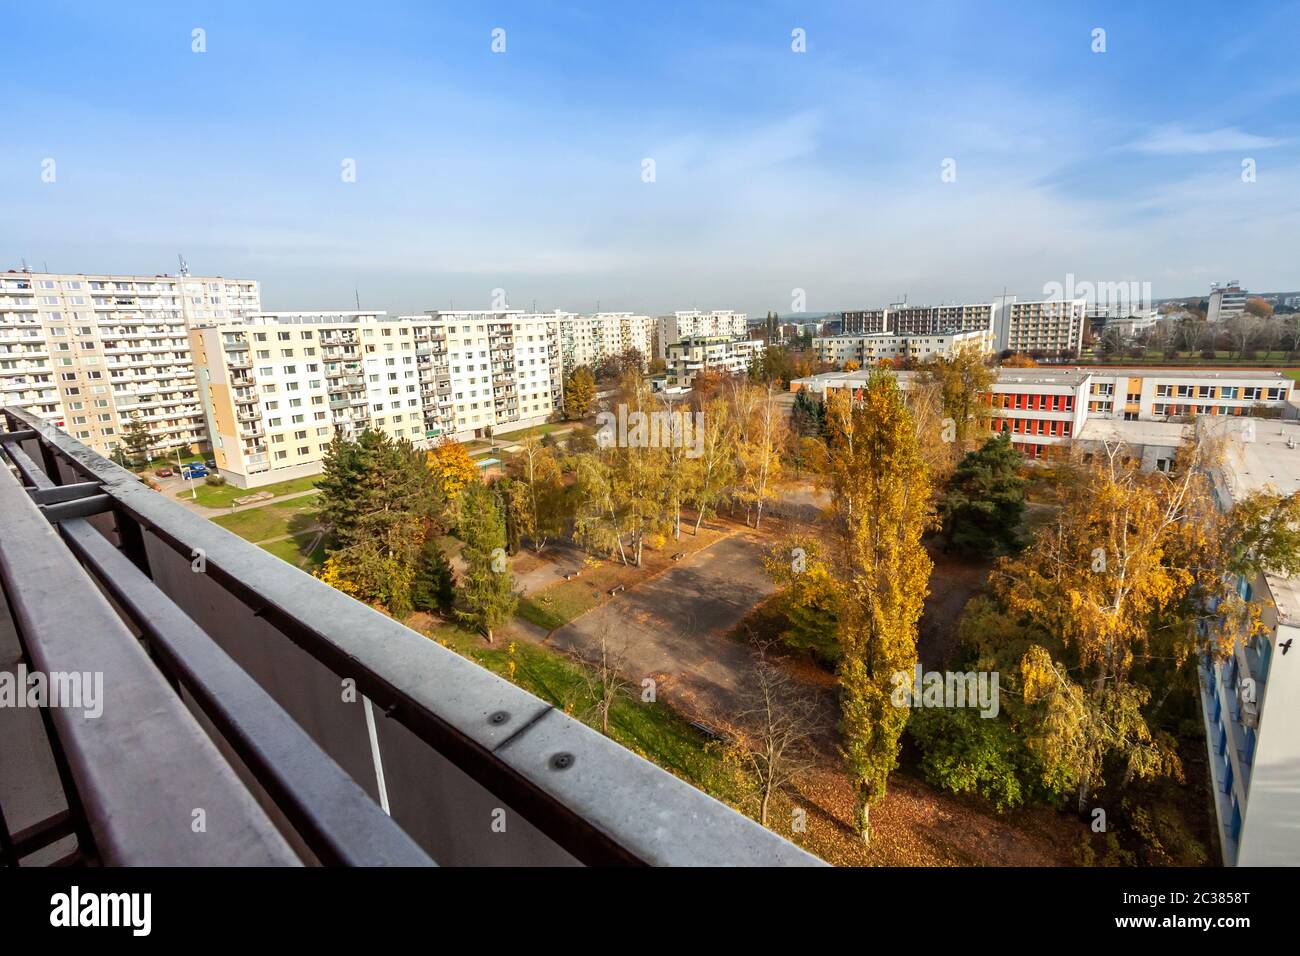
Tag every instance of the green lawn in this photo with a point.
(560, 603)
(546, 428)
(1224, 357)
(294, 550)
(271, 520)
(223, 496)
(652, 730)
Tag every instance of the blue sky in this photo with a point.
(774, 170)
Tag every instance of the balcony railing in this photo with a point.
(303, 725)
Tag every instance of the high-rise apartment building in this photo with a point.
(698, 325)
(91, 352)
(591, 339)
(870, 348)
(1227, 301)
(278, 387)
(1050, 326)
(920, 319)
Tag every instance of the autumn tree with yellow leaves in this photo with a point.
(882, 504)
(1119, 579)
(452, 468)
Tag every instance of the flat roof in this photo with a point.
(1169, 434)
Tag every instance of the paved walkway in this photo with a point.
(673, 627)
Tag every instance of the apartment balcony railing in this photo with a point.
(308, 727)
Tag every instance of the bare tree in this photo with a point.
(1241, 330)
(604, 680)
(773, 731)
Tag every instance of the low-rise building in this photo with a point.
(688, 358)
(1042, 407)
(720, 323)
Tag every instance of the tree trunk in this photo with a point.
(864, 821)
(762, 809)
(489, 635)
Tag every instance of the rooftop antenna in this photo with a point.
(25, 269)
(184, 269)
(357, 292)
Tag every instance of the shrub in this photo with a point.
(966, 753)
(215, 480)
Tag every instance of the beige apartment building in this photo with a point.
(277, 388)
(89, 352)
(590, 339)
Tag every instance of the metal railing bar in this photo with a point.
(142, 767)
(77, 508)
(336, 818)
(51, 496)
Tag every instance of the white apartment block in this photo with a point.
(871, 348)
(920, 319)
(277, 388)
(1227, 301)
(591, 339)
(688, 358)
(89, 352)
(698, 325)
(1049, 326)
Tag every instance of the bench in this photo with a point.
(615, 589)
(570, 575)
(679, 555)
(711, 732)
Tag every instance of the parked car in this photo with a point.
(194, 470)
(212, 464)
(164, 472)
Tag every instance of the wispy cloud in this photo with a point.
(1176, 140)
